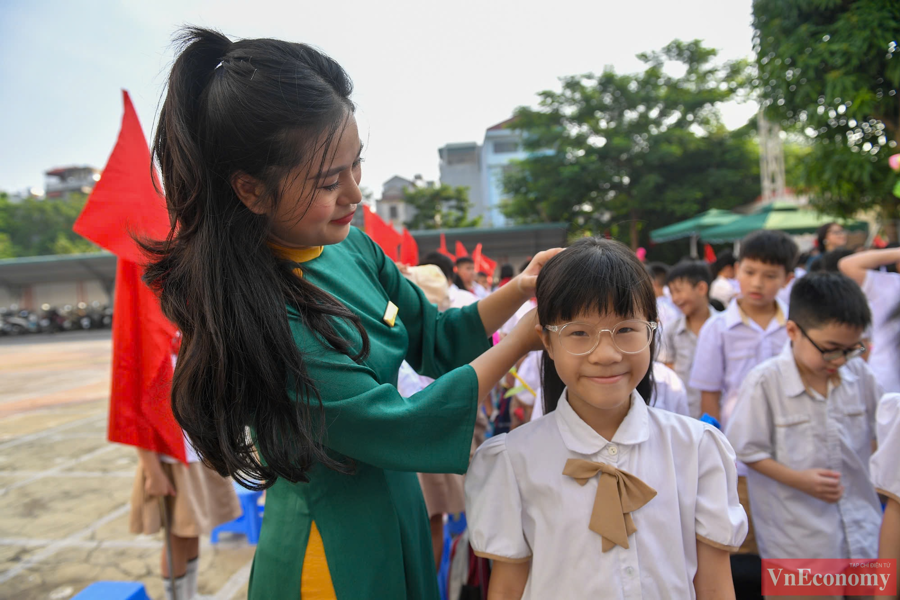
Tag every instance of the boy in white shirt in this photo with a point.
(883, 292)
(804, 424)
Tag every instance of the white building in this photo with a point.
(502, 145)
(461, 167)
(60, 182)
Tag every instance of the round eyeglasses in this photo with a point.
(832, 355)
(629, 337)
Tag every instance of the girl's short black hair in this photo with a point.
(593, 275)
(823, 298)
(441, 261)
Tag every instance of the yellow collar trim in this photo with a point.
(298, 255)
(779, 315)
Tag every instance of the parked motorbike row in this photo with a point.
(80, 317)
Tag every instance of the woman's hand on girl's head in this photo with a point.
(526, 281)
(526, 333)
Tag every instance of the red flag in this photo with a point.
(709, 254)
(482, 263)
(443, 249)
(409, 249)
(460, 250)
(381, 233)
(124, 202)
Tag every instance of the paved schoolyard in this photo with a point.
(64, 489)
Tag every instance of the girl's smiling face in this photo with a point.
(599, 384)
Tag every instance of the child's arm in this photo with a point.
(709, 404)
(508, 580)
(156, 483)
(855, 266)
(713, 578)
(818, 483)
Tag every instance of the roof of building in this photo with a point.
(33, 270)
(502, 125)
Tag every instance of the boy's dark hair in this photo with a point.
(692, 271)
(593, 275)
(725, 259)
(819, 299)
(771, 248)
(462, 260)
(658, 271)
(506, 271)
(441, 261)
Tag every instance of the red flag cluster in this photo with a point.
(483, 264)
(124, 203)
(397, 247)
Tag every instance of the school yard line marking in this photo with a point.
(86, 544)
(71, 474)
(60, 467)
(55, 547)
(234, 583)
(51, 431)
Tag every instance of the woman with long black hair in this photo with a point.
(295, 324)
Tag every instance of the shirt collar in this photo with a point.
(734, 315)
(579, 437)
(297, 255)
(793, 384)
(681, 325)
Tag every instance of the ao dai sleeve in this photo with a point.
(883, 464)
(719, 519)
(494, 505)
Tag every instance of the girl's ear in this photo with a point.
(545, 338)
(249, 190)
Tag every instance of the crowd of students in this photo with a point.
(787, 382)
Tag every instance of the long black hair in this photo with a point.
(593, 275)
(260, 108)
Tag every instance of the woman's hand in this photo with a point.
(526, 281)
(526, 333)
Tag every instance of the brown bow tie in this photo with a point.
(618, 495)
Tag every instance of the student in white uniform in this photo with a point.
(882, 290)
(886, 474)
(540, 499)
(804, 424)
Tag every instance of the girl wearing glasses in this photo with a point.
(604, 497)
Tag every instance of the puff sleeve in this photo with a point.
(720, 520)
(883, 465)
(494, 505)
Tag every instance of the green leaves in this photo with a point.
(36, 227)
(441, 207)
(626, 153)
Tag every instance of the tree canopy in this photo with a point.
(625, 153)
(35, 227)
(439, 207)
(828, 71)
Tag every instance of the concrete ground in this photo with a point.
(64, 489)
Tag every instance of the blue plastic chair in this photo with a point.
(249, 523)
(113, 590)
(454, 526)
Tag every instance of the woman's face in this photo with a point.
(335, 195)
(835, 238)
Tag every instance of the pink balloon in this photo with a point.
(641, 253)
(894, 161)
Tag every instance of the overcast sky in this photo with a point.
(425, 73)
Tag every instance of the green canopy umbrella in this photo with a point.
(693, 227)
(780, 216)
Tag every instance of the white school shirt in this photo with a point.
(884, 464)
(669, 392)
(730, 344)
(460, 298)
(682, 345)
(883, 292)
(666, 314)
(777, 417)
(521, 507)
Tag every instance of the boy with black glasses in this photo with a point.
(804, 423)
